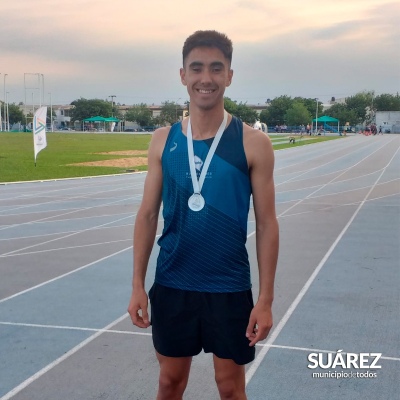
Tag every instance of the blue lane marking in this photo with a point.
(28, 350)
(55, 227)
(66, 204)
(89, 298)
(293, 195)
(364, 182)
(353, 303)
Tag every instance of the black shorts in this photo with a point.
(186, 322)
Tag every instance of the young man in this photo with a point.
(201, 298)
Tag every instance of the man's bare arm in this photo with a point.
(261, 163)
(146, 228)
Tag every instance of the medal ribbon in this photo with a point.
(198, 184)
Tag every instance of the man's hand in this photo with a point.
(137, 308)
(260, 323)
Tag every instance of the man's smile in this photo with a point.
(205, 91)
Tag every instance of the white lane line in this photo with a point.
(66, 236)
(261, 355)
(67, 213)
(63, 232)
(356, 178)
(135, 333)
(332, 207)
(67, 199)
(276, 346)
(38, 191)
(65, 248)
(334, 179)
(73, 178)
(75, 328)
(331, 150)
(64, 275)
(316, 160)
(337, 204)
(319, 166)
(65, 356)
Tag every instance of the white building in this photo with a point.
(388, 121)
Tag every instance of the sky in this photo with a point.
(131, 49)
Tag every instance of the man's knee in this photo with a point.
(171, 387)
(230, 389)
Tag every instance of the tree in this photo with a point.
(169, 112)
(90, 108)
(264, 115)
(277, 110)
(297, 114)
(246, 113)
(141, 114)
(342, 113)
(230, 105)
(15, 114)
(387, 102)
(310, 104)
(241, 110)
(361, 103)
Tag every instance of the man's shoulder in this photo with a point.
(255, 136)
(161, 132)
(160, 135)
(257, 144)
(158, 140)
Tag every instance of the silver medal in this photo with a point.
(196, 202)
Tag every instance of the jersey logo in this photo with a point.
(173, 147)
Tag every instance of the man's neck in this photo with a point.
(205, 123)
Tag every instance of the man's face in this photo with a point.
(206, 73)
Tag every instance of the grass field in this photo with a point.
(64, 149)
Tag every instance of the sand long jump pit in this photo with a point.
(137, 158)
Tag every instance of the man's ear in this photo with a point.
(230, 75)
(182, 74)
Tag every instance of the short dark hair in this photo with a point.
(208, 39)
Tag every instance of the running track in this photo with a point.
(66, 266)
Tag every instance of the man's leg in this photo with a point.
(230, 378)
(174, 375)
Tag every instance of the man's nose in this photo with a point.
(206, 76)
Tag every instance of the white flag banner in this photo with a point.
(39, 130)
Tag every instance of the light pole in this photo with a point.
(1, 122)
(8, 115)
(176, 109)
(42, 88)
(51, 114)
(112, 104)
(4, 104)
(316, 116)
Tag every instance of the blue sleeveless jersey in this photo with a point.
(205, 250)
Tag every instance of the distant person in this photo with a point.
(257, 125)
(204, 170)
